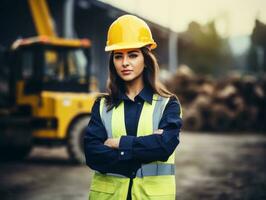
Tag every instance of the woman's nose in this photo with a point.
(125, 62)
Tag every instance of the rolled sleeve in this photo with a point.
(125, 147)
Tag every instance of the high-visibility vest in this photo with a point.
(154, 181)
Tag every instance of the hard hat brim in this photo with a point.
(130, 46)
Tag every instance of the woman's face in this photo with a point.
(129, 64)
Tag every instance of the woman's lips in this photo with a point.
(126, 72)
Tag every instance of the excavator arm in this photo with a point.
(43, 21)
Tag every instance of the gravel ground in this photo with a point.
(208, 166)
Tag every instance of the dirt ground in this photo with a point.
(208, 166)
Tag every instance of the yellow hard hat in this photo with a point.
(129, 31)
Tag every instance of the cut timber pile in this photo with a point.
(232, 104)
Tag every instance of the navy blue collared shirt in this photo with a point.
(133, 150)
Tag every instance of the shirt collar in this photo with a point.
(145, 94)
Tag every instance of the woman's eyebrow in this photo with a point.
(118, 53)
(134, 51)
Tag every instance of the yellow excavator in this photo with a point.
(50, 91)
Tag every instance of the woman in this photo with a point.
(134, 129)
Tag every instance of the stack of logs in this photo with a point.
(236, 103)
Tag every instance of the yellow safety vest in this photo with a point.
(154, 181)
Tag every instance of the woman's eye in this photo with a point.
(133, 55)
(117, 57)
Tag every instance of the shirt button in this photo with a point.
(122, 153)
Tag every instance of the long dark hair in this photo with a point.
(115, 85)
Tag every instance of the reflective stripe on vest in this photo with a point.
(106, 118)
(156, 169)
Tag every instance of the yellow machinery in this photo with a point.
(50, 95)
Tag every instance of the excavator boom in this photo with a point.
(42, 19)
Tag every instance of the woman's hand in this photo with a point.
(158, 131)
(112, 142)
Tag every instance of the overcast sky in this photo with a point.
(233, 17)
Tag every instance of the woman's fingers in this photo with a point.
(112, 142)
(107, 142)
(158, 131)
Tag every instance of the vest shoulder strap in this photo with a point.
(106, 117)
(160, 104)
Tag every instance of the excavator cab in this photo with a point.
(50, 98)
(52, 64)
